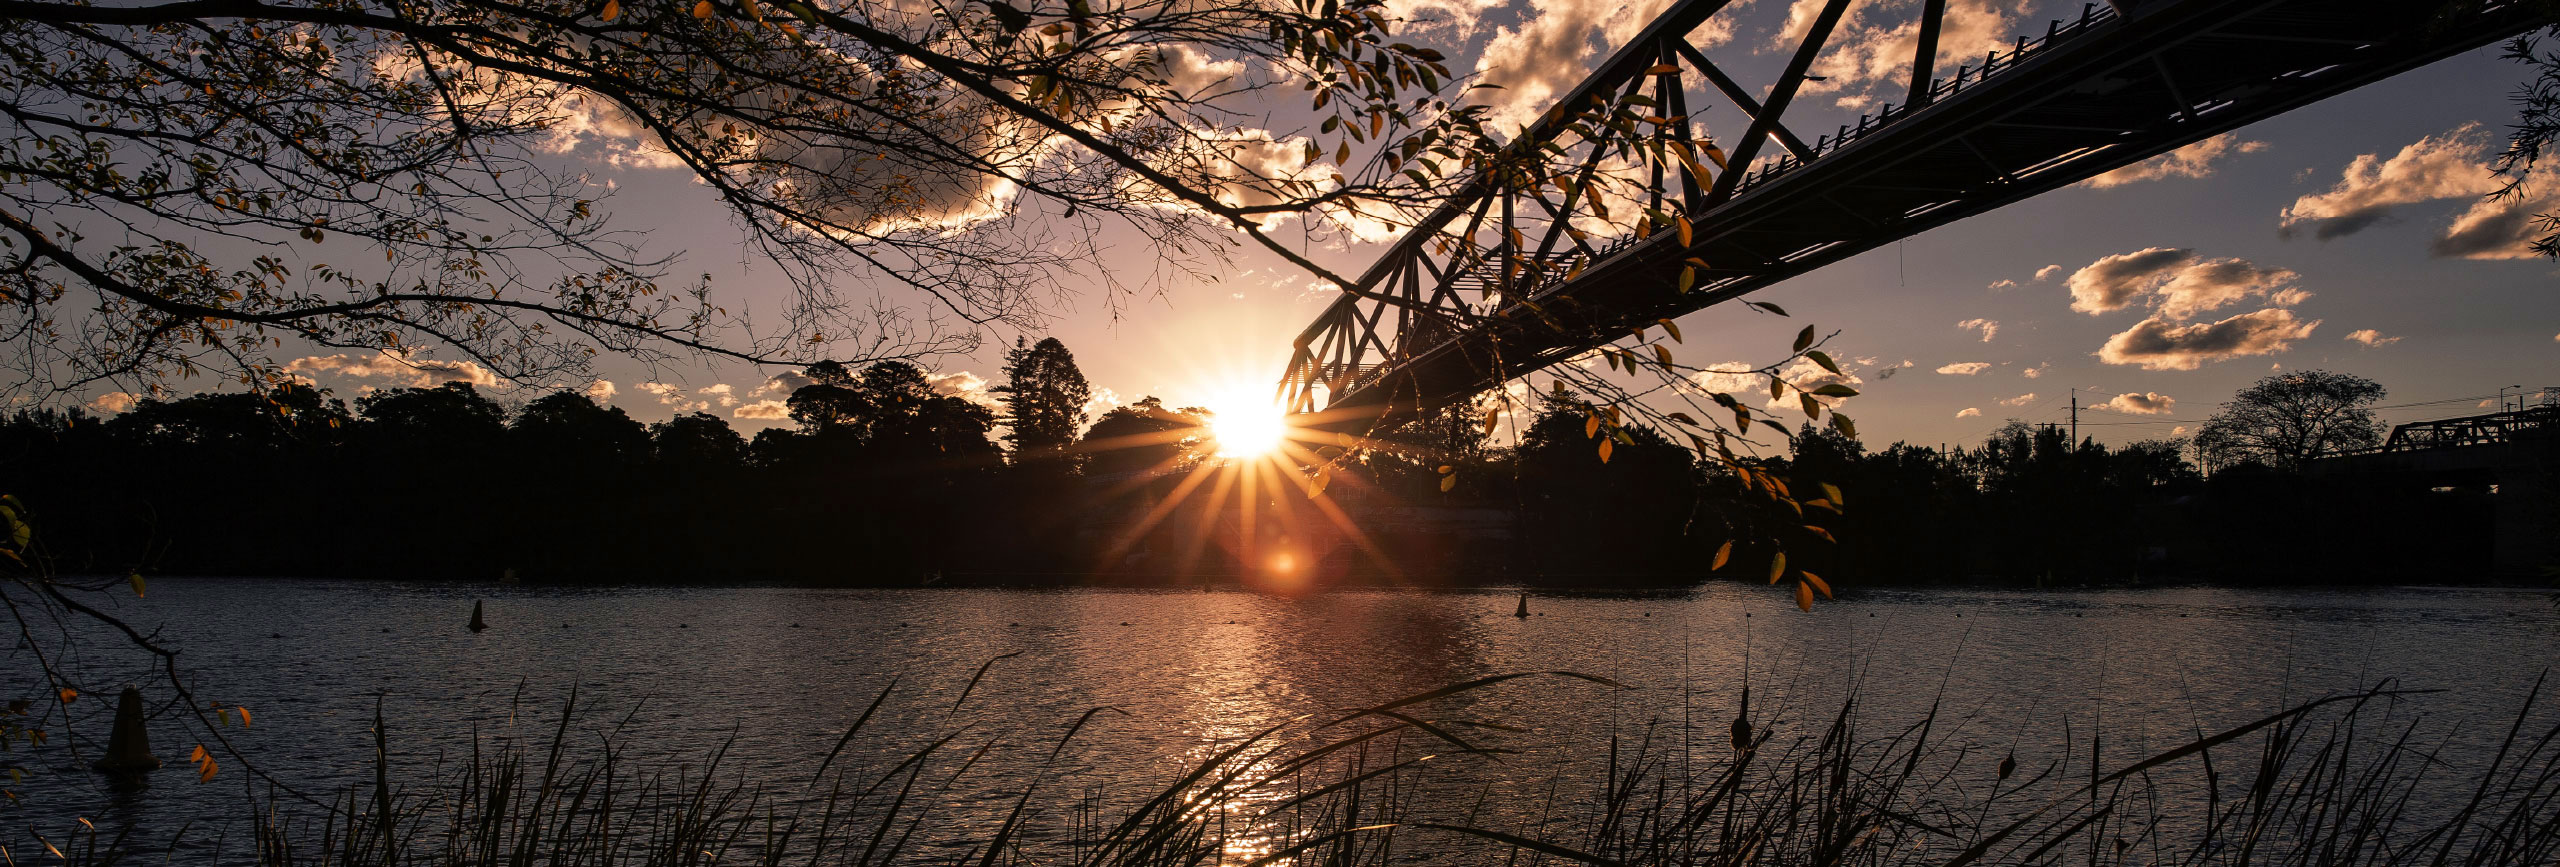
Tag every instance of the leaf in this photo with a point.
(1812, 408)
(1492, 419)
(1804, 596)
(1591, 426)
(1664, 69)
(1836, 390)
(1342, 155)
(136, 580)
(1684, 418)
(1831, 492)
(1662, 354)
(1324, 477)
(1777, 388)
(1818, 584)
(1823, 358)
(1724, 552)
(1777, 567)
(1447, 482)
(1606, 446)
(1764, 305)
(612, 10)
(244, 715)
(1688, 278)
(1684, 230)
(1671, 328)
(68, 695)
(1446, 469)
(701, 12)
(1804, 338)
(1013, 20)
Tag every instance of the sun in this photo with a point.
(1245, 427)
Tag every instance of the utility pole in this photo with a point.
(2075, 418)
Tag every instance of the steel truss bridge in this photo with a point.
(1505, 277)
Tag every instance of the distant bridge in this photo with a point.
(2511, 457)
(1500, 281)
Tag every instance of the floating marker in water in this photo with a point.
(1523, 610)
(128, 743)
(476, 623)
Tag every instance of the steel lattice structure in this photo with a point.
(1507, 277)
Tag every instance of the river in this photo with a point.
(780, 672)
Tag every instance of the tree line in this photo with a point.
(882, 480)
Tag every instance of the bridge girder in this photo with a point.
(1448, 312)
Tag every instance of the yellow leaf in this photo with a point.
(702, 10)
(1818, 584)
(1446, 469)
(1832, 493)
(1723, 552)
(612, 10)
(1804, 596)
(1492, 419)
(1323, 479)
(136, 579)
(1591, 426)
(1777, 567)
(1606, 446)
(1663, 69)
(1451, 481)
(68, 695)
(1672, 328)
(1684, 230)
(244, 716)
(1662, 354)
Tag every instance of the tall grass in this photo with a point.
(2335, 781)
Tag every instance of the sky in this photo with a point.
(2346, 235)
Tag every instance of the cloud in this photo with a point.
(1965, 368)
(1969, 412)
(2193, 161)
(2047, 272)
(2503, 228)
(963, 385)
(1553, 47)
(2114, 281)
(2020, 400)
(113, 403)
(2371, 339)
(1989, 327)
(763, 409)
(2159, 344)
(783, 383)
(601, 391)
(1801, 373)
(2003, 285)
(2180, 430)
(2177, 284)
(2034, 372)
(721, 394)
(1102, 400)
(394, 368)
(2448, 166)
(2140, 403)
(2217, 283)
(674, 396)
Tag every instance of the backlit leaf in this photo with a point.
(136, 580)
(68, 695)
(1724, 552)
(1606, 446)
(1812, 408)
(1777, 567)
(1662, 354)
(1804, 596)
(1818, 584)
(1804, 338)
(612, 10)
(702, 11)
(1591, 426)
(1846, 427)
(1836, 390)
(1671, 328)
(1447, 482)
(1831, 492)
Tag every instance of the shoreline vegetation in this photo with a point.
(2344, 780)
(885, 482)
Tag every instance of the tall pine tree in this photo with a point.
(1044, 396)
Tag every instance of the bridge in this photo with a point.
(2510, 460)
(1520, 268)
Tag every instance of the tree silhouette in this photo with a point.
(1044, 396)
(2289, 418)
(1144, 437)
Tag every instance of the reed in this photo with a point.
(2339, 781)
